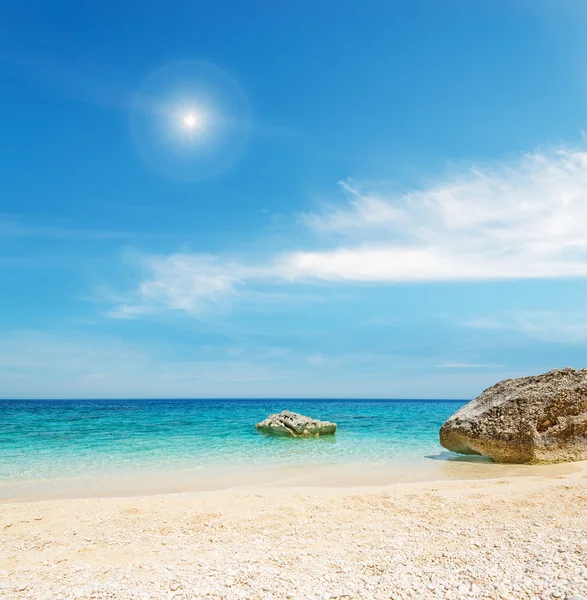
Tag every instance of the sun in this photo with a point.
(191, 121)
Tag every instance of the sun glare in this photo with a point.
(191, 121)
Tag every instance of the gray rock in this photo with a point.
(290, 424)
(541, 419)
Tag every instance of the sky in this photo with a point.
(380, 199)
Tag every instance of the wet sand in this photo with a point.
(441, 467)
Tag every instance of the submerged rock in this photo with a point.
(290, 424)
(526, 420)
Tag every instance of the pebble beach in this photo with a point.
(504, 538)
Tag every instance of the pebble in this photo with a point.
(365, 546)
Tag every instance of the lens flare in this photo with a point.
(190, 120)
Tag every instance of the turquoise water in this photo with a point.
(51, 439)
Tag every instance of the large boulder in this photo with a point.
(290, 424)
(541, 419)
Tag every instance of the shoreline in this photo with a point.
(509, 537)
(153, 482)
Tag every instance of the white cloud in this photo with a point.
(183, 282)
(545, 326)
(517, 220)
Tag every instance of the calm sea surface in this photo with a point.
(49, 439)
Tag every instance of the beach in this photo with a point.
(518, 537)
(293, 300)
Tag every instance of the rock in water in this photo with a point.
(541, 419)
(290, 424)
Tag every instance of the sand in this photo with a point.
(511, 537)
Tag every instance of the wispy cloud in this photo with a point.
(517, 220)
(457, 365)
(39, 364)
(546, 326)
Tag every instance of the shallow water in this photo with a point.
(65, 438)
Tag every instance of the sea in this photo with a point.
(51, 439)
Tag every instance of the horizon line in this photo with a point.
(284, 398)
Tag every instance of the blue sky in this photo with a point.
(375, 199)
